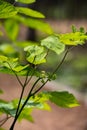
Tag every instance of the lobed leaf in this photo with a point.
(26, 1)
(53, 43)
(7, 10)
(30, 12)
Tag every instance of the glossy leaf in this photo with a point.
(63, 99)
(35, 24)
(54, 44)
(26, 1)
(35, 54)
(12, 29)
(30, 12)
(73, 38)
(7, 10)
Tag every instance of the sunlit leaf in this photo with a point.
(7, 10)
(26, 114)
(26, 1)
(12, 29)
(30, 12)
(73, 38)
(63, 99)
(35, 54)
(54, 44)
(35, 24)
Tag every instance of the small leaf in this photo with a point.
(7, 10)
(63, 99)
(35, 54)
(74, 29)
(82, 30)
(30, 12)
(26, 114)
(26, 1)
(35, 24)
(12, 29)
(54, 44)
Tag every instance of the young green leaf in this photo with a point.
(26, 114)
(74, 29)
(12, 29)
(73, 38)
(7, 10)
(54, 44)
(30, 12)
(35, 54)
(26, 1)
(63, 99)
(35, 24)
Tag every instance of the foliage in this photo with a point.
(36, 53)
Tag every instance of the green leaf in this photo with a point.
(6, 107)
(54, 44)
(35, 54)
(26, 114)
(74, 29)
(30, 12)
(73, 38)
(7, 49)
(11, 65)
(12, 29)
(26, 1)
(82, 30)
(63, 99)
(24, 44)
(7, 10)
(8, 65)
(35, 24)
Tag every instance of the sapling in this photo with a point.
(34, 55)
